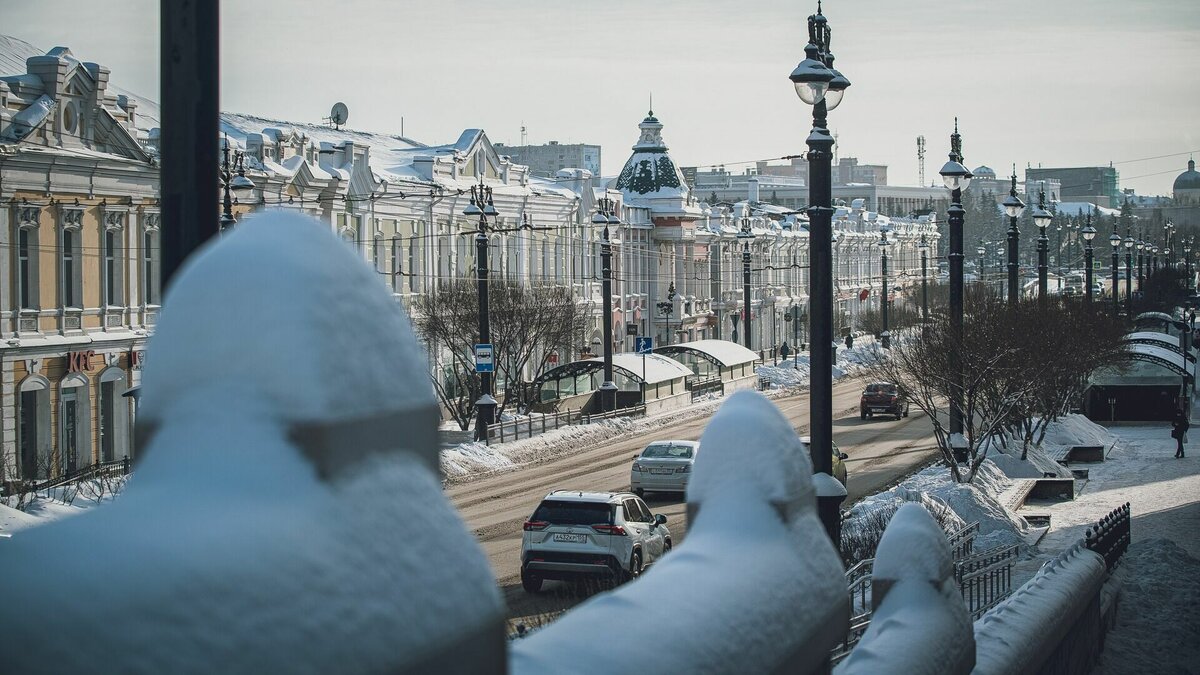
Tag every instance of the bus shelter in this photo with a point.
(717, 365)
(657, 381)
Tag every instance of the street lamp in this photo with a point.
(1169, 230)
(924, 247)
(1115, 240)
(1042, 218)
(1187, 263)
(745, 236)
(1089, 233)
(1000, 271)
(1013, 208)
(1128, 274)
(819, 85)
(668, 307)
(1141, 245)
(239, 184)
(1154, 258)
(956, 177)
(605, 215)
(481, 206)
(885, 338)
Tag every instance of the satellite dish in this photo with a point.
(339, 114)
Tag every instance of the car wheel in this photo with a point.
(862, 415)
(635, 566)
(666, 546)
(640, 492)
(899, 415)
(906, 411)
(532, 583)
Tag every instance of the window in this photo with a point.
(573, 513)
(33, 428)
(112, 262)
(113, 409)
(397, 260)
(377, 254)
(107, 412)
(69, 268)
(73, 424)
(69, 437)
(150, 268)
(25, 275)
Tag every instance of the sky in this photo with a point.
(1061, 83)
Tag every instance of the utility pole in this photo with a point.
(481, 206)
(604, 215)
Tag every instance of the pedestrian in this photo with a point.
(849, 341)
(1179, 428)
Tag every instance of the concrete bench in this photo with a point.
(1086, 453)
(1053, 488)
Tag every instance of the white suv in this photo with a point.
(573, 535)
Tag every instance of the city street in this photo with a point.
(881, 452)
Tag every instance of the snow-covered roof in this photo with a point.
(658, 367)
(727, 353)
(1164, 338)
(1080, 208)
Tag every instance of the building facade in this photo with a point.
(79, 278)
(547, 160)
(1099, 185)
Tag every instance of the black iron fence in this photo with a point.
(986, 578)
(528, 427)
(1110, 536)
(118, 467)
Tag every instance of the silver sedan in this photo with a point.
(663, 466)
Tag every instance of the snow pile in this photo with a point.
(286, 515)
(934, 488)
(1159, 605)
(59, 502)
(1072, 430)
(793, 372)
(747, 591)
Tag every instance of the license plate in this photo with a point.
(573, 538)
(662, 472)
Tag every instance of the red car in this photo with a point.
(882, 398)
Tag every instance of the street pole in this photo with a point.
(1129, 274)
(818, 84)
(1115, 241)
(1089, 233)
(608, 389)
(746, 236)
(1042, 218)
(189, 70)
(957, 178)
(924, 281)
(482, 206)
(885, 337)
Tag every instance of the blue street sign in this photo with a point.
(484, 361)
(643, 345)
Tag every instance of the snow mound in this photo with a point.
(1158, 619)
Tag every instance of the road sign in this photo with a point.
(631, 329)
(484, 361)
(643, 345)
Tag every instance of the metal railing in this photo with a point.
(532, 426)
(120, 467)
(702, 387)
(986, 578)
(639, 409)
(1110, 536)
(858, 582)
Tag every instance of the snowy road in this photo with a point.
(495, 506)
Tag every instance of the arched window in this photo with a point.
(113, 409)
(33, 429)
(150, 267)
(74, 423)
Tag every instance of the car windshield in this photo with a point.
(881, 388)
(667, 450)
(573, 513)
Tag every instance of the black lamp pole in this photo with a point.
(818, 84)
(924, 246)
(604, 214)
(1115, 241)
(746, 236)
(957, 178)
(481, 205)
(1141, 276)
(1013, 207)
(1042, 218)
(1089, 233)
(884, 337)
(1128, 273)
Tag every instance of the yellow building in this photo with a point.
(79, 277)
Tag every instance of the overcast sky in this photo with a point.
(1055, 83)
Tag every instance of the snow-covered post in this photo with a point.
(757, 587)
(919, 623)
(287, 514)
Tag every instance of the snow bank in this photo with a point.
(793, 372)
(747, 591)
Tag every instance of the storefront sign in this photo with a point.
(79, 361)
(136, 359)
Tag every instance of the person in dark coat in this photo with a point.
(1179, 427)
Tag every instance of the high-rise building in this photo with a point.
(547, 160)
(1098, 185)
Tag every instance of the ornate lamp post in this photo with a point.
(1141, 245)
(1089, 233)
(239, 184)
(1154, 258)
(885, 338)
(1169, 230)
(1000, 271)
(605, 216)
(1128, 274)
(1013, 208)
(924, 246)
(745, 236)
(818, 84)
(1042, 218)
(956, 177)
(668, 306)
(1115, 240)
(481, 206)
(981, 251)
(1187, 263)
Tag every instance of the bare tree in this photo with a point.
(525, 322)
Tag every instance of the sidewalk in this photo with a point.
(1158, 618)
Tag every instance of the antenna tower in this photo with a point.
(921, 159)
(524, 137)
